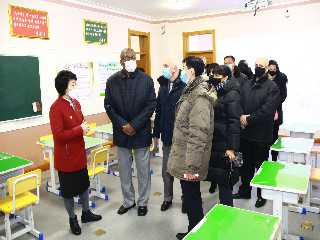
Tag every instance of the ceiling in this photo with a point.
(162, 9)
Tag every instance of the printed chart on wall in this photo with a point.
(84, 72)
(102, 71)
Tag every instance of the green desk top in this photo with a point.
(286, 177)
(107, 128)
(228, 223)
(11, 163)
(293, 145)
(90, 142)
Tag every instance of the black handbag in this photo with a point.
(228, 175)
(232, 173)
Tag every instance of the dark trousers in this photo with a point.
(274, 154)
(254, 154)
(225, 195)
(193, 202)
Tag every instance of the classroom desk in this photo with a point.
(10, 163)
(301, 130)
(10, 166)
(104, 131)
(52, 186)
(229, 223)
(293, 149)
(282, 183)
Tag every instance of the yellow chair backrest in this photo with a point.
(100, 155)
(92, 126)
(46, 137)
(24, 183)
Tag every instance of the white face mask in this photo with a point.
(130, 65)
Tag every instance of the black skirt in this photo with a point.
(73, 183)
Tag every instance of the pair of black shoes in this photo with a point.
(259, 203)
(86, 217)
(142, 211)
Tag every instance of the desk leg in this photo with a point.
(53, 187)
(291, 158)
(308, 160)
(278, 211)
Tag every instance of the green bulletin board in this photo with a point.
(95, 32)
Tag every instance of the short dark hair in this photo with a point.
(196, 63)
(62, 80)
(230, 56)
(211, 67)
(224, 71)
(274, 62)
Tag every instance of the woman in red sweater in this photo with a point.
(68, 127)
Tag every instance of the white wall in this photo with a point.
(293, 42)
(66, 44)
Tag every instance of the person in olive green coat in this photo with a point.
(192, 139)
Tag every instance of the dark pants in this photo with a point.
(217, 174)
(254, 154)
(193, 202)
(274, 154)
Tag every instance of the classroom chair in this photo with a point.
(19, 203)
(99, 159)
(91, 132)
(45, 155)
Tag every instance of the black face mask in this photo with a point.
(259, 71)
(214, 81)
(272, 73)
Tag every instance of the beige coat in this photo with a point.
(193, 131)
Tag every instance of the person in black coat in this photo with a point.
(260, 98)
(130, 101)
(230, 61)
(226, 136)
(281, 80)
(245, 69)
(171, 88)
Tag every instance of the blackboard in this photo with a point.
(95, 32)
(20, 94)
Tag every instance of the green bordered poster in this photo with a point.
(95, 32)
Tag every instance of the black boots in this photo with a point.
(89, 216)
(74, 226)
(86, 217)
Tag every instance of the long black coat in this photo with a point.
(166, 109)
(259, 99)
(130, 98)
(281, 81)
(227, 112)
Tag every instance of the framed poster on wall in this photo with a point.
(95, 32)
(30, 23)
